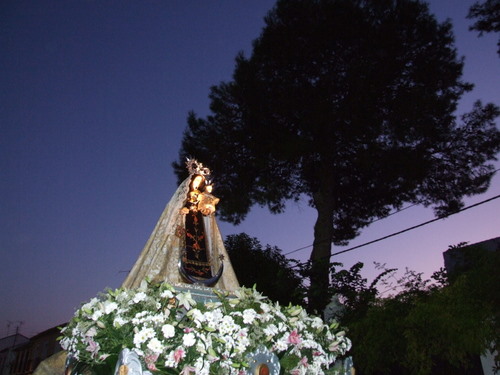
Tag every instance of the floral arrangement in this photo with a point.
(174, 334)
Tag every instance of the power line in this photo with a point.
(371, 222)
(407, 229)
(415, 226)
(390, 214)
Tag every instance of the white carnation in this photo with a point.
(155, 345)
(168, 330)
(189, 339)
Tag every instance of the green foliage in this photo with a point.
(424, 327)
(266, 268)
(351, 104)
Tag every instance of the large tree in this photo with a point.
(349, 103)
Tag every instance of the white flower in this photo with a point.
(212, 318)
(249, 316)
(119, 321)
(158, 318)
(123, 296)
(168, 330)
(271, 330)
(282, 327)
(281, 345)
(167, 294)
(197, 317)
(91, 332)
(189, 339)
(109, 307)
(90, 305)
(202, 367)
(265, 307)
(155, 345)
(96, 315)
(65, 343)
(317, 323)
(186, 300)
(143, 335)
(227, 325)
(141, 296)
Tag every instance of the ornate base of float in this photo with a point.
(262, 362)
(199, 293)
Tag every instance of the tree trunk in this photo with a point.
(320, 256)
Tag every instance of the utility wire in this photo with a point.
(371, 222)
(415, 226)
(391, 235)
(405, 230)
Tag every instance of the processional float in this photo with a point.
(186, 264)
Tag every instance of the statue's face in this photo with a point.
(197, 181)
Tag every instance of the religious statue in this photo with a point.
(186, 246)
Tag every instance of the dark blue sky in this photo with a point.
(93, 102)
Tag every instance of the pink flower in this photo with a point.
(150, 361)
(294, 338)
(188, 329)
(300, 369)
(303, 362)
(152, 367)
(187, 370)
(179, 353)
(93, 347)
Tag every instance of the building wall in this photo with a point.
(461, 258)
(23, 357)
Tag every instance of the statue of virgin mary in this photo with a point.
(186, 246)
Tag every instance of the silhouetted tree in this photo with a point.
(266, 268)
(487, 17)
(351, 104)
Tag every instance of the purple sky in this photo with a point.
(93, 102)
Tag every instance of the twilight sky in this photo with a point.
(94, 97)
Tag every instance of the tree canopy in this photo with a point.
(351, 104)
(265, 268)
(487, 18)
